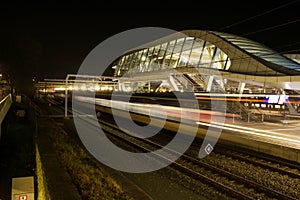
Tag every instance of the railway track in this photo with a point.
(178, 166)
(228, 159)
(191, 167)
(226, 181)
(285, 168)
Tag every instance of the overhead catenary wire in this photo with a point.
(291, 44)
(263, 29)
(259, 15)
(290, 51)
(259, 30)
(272, 27)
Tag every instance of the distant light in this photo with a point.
(143, 58)
(59, 89)
(83, 88)
(97, 87)
(104, 88)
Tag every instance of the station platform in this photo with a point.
(279, 139)
(284, 132)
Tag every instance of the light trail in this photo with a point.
(295, 143)
(200, 117)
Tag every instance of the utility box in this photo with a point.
(22, 188)
(20, 113)
(18, 98)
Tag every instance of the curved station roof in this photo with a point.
(207, 49)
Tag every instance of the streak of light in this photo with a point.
(241, 100)
(256, 132)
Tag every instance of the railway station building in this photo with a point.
(192, 63)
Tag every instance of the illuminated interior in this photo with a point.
(208, 49)
(183, 52)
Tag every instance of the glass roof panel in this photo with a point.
(259, 50)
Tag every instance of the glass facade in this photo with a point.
(259, 50)
(182, 52)
(246, 56)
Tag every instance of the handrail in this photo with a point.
(4, 99)
(5, 104)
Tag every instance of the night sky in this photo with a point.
(50, 40)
